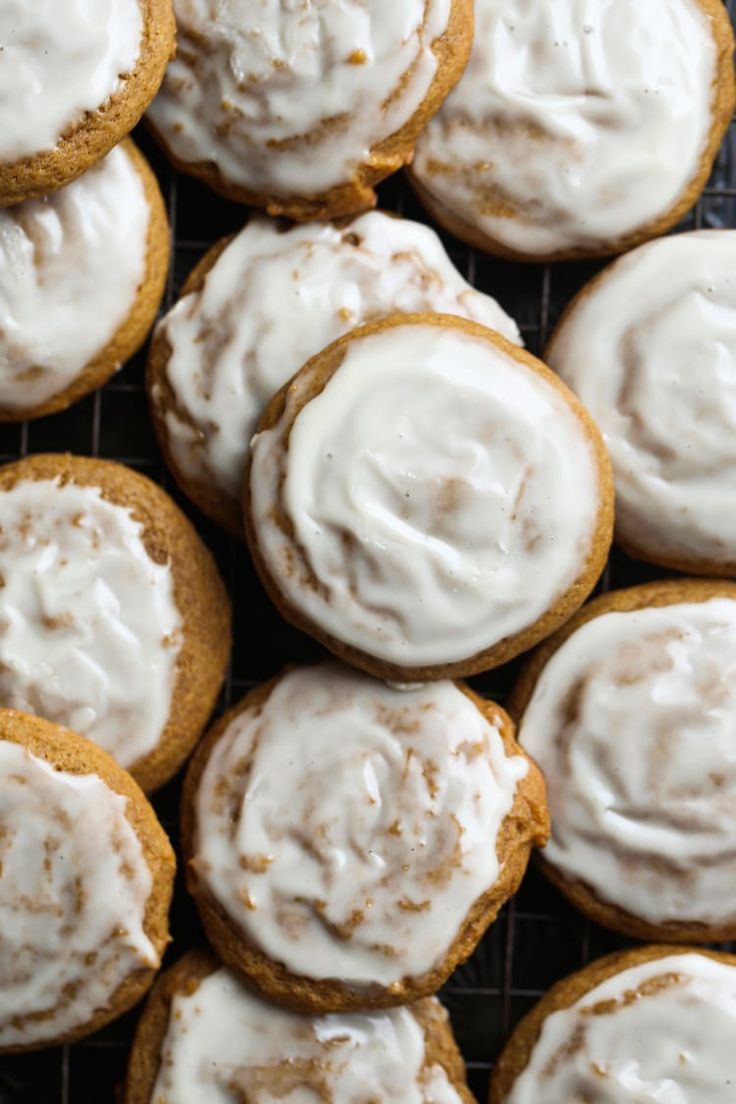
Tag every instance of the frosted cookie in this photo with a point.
(650, 347)
(303, 108)
(427, 499)
(257, 307)
(113, 619)
(87, 875)
(580, 128)
(204, 1038)
(76, 76)
(653, 1024)
(349, 842)
(630, 711)
(81, 278)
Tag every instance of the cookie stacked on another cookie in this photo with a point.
(257, 307)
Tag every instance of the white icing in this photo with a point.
(651, 351)
(633, 723)
(60, 60)
(89, 630)
(663, 1036)
(348, 828)
(273, 300)
(70, 269)
(269, 94)
(575, 122)
(74, 884)
(223, 1045)
(443, 495)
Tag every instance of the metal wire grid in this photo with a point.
(537, 938)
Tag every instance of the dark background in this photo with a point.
(537, 939)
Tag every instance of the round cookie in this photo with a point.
(303, 109)
(82, 273)
(655, 1023)
(579, 129)
(76, 78)
(348, 842)
(87, 877)
(257, 307)
(630, 713)
(649, 346)
(113, 619)
(427, 499)
(204, 1038)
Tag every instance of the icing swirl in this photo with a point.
(223, 1045)
(73, 890)
(658, 1033)
(633, 723)
(575, 123)
(438, 495)
(651, 351)
(348, 828)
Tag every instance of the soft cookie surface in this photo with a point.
(429, 495)
(60, 60)
(657, 1031)
(348, 828)
(73, 895)
(89, 630)
(577, 124)
(224, 1044)
(289, 99)
(70, 269)
(650, 348)
(632, 720)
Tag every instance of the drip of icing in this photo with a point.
(275, 298)
(289, 99)
(575, 123)
(70, 269)
(223, 1044)
(349, 828)
(89, 629)
(73, 890)
(659, 1033)
(651, 351)
(633, 723)
(441, 494)
(60, 60)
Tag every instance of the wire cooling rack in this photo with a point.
(538, 938)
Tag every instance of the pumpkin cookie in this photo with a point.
(427, 499)
(650, 347)
(630, 711)
(579, 129)
(303, 108)
(76, 77)
(206, 1039)
(113, 619)
(257, 307)
(349, 842)
(87, 875)
(81, 278)
(656, 1023)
